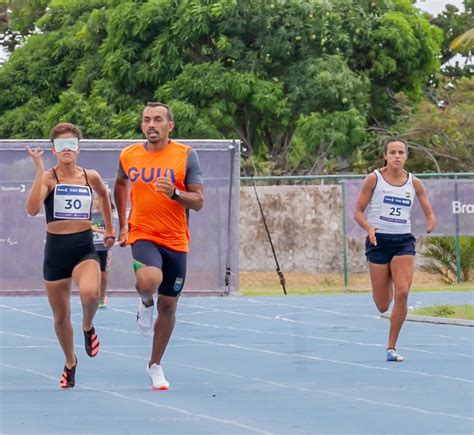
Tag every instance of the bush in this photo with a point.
(441, 253)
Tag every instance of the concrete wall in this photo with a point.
(306, 225)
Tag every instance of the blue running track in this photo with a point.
(241, 365)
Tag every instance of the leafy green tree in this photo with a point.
(17, 20)
(439, 132)
(298, 81)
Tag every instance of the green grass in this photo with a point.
(304, 283)
(465, 286)
(276, 290)
(451, 311)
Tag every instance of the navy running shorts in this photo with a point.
(389, 246)
(63, 252)
(171, 263)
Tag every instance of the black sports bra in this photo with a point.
(73, 204)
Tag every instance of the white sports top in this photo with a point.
(389, 209)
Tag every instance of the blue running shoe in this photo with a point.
(392, 355)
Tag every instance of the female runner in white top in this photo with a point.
(389, 193)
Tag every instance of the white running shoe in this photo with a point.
(158, 381)
(145, 319)
(393, 355)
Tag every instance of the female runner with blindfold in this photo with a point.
(66, 192)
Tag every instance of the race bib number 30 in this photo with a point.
(395, 210)
(72, 202)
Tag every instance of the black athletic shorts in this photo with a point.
(171, 263)
(389, 246)
(104, 260)
(63, 252)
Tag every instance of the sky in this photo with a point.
(434, 7)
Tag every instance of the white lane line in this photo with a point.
(332, 341)
(318, 337)
(153, 404)
(313, 337)
(81, 345)
(278, 384)
(31, 313)
(306, 322)
(328, 360)
(126, 331)
(332, 325)
(315, 358)
(206, 309)
(301, 355)
(303, 389)
(15, 334)
(193, 313)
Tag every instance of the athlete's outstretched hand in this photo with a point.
(36, 154)
(371, 233)
(122, 240)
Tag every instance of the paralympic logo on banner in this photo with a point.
(9, 241)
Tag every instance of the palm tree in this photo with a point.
(464, 43)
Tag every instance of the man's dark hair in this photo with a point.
(169, 113)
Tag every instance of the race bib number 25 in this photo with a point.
(395, 209)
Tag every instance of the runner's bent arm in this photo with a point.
(39, 189)
(193, 198)
(362, 202)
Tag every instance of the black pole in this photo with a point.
(279, 272)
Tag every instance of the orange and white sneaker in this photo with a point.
(158, 381)
(68, 378)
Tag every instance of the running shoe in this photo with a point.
(91, 342)
(104, 303)
(158, 381)
(392, 355)
(68, 378)
(145, 319)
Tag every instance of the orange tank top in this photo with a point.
(154, 216)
